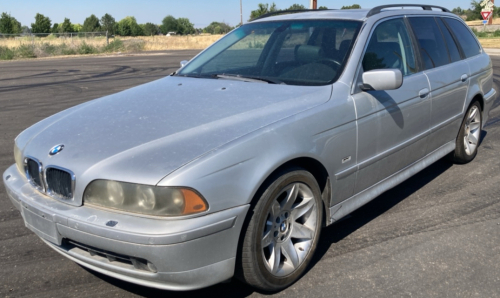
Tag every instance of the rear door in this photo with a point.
(392, 124)
(448, 77)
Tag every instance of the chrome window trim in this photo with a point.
(53, 194)
(41, 188)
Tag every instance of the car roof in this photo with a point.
(355, 14)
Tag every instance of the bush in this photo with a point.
(85, 49)
(115, 45)
(496, 33)
(48, 49)
(6, 53)
(25, 51)
(65, 50)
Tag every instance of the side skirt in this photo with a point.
(344, 208)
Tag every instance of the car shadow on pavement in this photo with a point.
(329, 236)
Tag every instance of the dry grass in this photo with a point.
(53, 41)
(159, 43)
(151, 43)
(480, 22)
(490, 42)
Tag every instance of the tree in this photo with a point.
(91, 24)
(6, 23)
(66, 26)
(150, 29)
(108, 24)
(297, 7)
(169, 24)
(474, 13)
(185, 26)
(42, 24)
(217, 28)
(55, 28)
(322, 7)
(16, 26)
(458, 11)
(262, 10)
(128, 27)
(354, 6)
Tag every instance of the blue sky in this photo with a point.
(200, 12)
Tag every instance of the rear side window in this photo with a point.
(465, 38)
(390, 47)
(432, 46)
(452, 46)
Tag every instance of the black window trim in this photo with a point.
(456, 39)
(420, 46)
(457, 44)
(359, 69)
(444, 40)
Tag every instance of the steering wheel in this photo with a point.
(330, 62)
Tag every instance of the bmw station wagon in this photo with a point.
(231, 166)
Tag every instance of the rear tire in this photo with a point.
(283, 232)
(469, 135)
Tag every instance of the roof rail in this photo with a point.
(379, 9)
(275, 13)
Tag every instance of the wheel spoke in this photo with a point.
(301, 232)
(473, 139)
(467, 146)
(267, 239)
(473, 114)
(275, 210)
(275, 259)
(290, 253)
(301, 209)
(291, 197)
(474, 126)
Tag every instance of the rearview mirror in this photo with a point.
(382, 79)
(183, 63)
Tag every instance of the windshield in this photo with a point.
(296, 52)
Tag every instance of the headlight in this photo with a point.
(18, 156)
(144, 199)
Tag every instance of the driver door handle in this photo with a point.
(464, 78)
(423, 93)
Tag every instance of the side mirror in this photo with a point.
(183, 63)
(382, 79)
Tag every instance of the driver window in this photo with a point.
(390, 47)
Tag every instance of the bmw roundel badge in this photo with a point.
(56, 149)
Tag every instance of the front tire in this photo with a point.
(469, 135)
(283, 232)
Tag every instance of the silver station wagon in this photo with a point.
(232, 165)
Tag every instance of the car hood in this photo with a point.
(142, 134)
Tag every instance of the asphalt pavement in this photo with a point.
(435, 235)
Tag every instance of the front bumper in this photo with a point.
(182, 254)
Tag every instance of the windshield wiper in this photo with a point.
(247, 78)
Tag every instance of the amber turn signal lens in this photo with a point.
(193, 203)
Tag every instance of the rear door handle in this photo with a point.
(464, 78)
(423, 93)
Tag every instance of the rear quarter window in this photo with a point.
(432, 46)
(465, 38)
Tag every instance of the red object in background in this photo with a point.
(486, 14)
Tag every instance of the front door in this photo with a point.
(392, 124)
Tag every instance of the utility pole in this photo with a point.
(490, 20)
(313, 4)
(241, 12)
